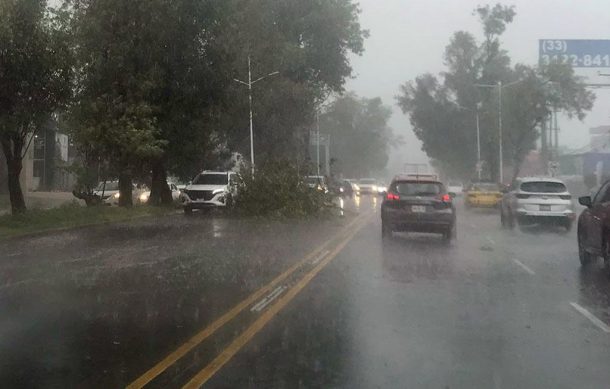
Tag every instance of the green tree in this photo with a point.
(113, 114)
(442, 109)
(36, 79)
(309, 43)
(359, 134)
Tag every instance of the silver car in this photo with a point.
(534, 200)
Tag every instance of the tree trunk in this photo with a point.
(160, 193)
(125, 188)
(13, 149)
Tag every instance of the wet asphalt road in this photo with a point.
(495, 309)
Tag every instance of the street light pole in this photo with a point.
(251, 115)
(478, 144)
(318, 142)
(500, 86)
(501, 156)
(249, 84)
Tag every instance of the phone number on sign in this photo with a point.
(576, 60)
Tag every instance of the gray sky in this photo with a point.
(408, 38)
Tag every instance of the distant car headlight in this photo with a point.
(341, 190)
(380, 189)
(116, 195)
(356, 187)
(144, 197)
(374, 188)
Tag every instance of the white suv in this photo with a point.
(209, 189)
(537, 200)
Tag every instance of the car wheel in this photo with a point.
(606, 255)
(584, 256)
(386, 231)
(448, 235)
(188, 211)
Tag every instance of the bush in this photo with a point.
(277, 189)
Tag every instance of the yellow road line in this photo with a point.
(225, 356)
(194, 341)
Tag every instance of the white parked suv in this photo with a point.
(208, 190)
(535, 200)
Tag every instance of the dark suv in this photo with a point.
(418, 206)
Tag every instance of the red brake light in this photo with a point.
(392, 196)
(446, 198)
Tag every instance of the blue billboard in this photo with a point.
(579, 53)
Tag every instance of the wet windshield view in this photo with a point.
(304, 194)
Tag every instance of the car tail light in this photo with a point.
(565, 197)
(446, 198)
(522, 196)
(392, 196)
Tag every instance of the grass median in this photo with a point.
(70, 216)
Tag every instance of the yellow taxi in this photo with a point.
(483, 195)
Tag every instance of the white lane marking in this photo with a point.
(583, 311)
(268, 299)
(319, 257)
(524, 267)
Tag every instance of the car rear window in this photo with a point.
(211, 179)
(485, 187)
(110, 185)
(418, 188)
(543, 187)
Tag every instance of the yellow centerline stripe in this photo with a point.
(194, 341)
(225, 356)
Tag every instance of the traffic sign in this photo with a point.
(579, 53)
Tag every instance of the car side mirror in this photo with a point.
(452, 195)
(586, 201)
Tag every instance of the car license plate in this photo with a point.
(545, 208)
(418, 208)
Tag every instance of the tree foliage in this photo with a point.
(36, 79)
(308, 43)
(360, 138)
(156, 89)
(443, 109)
